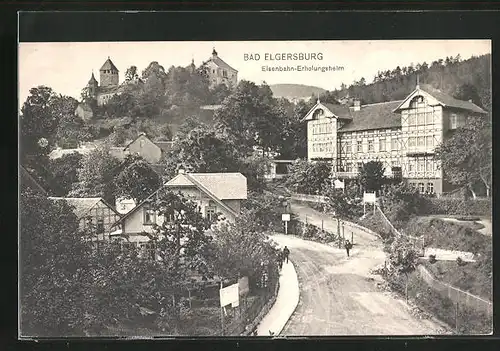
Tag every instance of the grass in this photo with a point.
(464, 277)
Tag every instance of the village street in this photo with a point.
(338, 296)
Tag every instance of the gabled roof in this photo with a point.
(187, 179)
(444, 99)
(109, 65)
(27, 179)
(165, 146)
(374, 116)
(219, 62)
(133, 141)
(82, 205)
(336, 110)
(226, 186)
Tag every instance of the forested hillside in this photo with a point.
(290, 91)
(470, 79)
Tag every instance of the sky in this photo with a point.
(67, 67)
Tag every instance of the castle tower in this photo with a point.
(109, 74)
(92, 86)
(214, 54)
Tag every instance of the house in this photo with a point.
(401, 134)
(214, 193)
(93, 213)
(84, 111)
(219, 72)
(147, 149)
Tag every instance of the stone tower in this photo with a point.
(109, 74)
(92, 86)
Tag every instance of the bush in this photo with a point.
(432, 259)
(450, 206)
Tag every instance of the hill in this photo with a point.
(290, 91)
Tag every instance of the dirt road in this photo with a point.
(338, 296)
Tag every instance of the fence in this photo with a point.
(458, 296)
(309, 198)
(417, 242)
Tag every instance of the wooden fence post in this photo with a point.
(456, 318)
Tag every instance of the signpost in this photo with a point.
(285, 217)
(369, 198)
(339, 184)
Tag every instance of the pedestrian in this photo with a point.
(286, 252)
(347, 246)
(280, 259)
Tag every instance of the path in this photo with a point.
(338, 296)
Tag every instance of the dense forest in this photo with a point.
(469, 79)
(291, 91)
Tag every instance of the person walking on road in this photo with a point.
(348, 246)
(280, 259)
(286, 253)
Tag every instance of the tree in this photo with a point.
(65, 170)
(466, 156)
(345, 203)
(403, 258)
(137, 180)
(467, 92)
(401, 201)
(241, 249)
(131, 74)
(371, 176)
(202, 150)
(38, 121)
(52, 271)
(95, 177)
(181, 240)
(308, 178)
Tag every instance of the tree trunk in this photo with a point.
(487, 186)
(406, 289)
(472, 191)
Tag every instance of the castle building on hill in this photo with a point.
(219, 72)
(400, 134)
(109, 83)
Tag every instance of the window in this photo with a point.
(381, 145)
(100, 226)
(429, 118)
(370, 146)
(421, 166)
(359, 146)
(410, 167)
(394, 144)
(149, 216)
(210, 212)
(411, 142)
(394, 163)
(213, 71)
(348, 147)
(453, 121)
(429, 141)
(360, 166)
(224, 73)
(420, 141)
(421, 119)
(412, 119)
(421, 187)
(430, 188)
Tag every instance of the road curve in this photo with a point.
(338, 296)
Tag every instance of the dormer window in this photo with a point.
(318, 113)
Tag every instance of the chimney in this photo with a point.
(214, 54)
(181, 170)
(357, 105)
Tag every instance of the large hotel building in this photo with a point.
(401, 134)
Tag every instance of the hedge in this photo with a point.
(450, 206)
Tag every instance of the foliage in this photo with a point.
(52, 273)
(371, 176)
(241, 249)
(450, 206)
(65, 170)
(131, 73)
(266, 209)
(38, 120)
(96, 175)
(466, 156)
(308, 177)
(293, 143)
(448, 75)
(344, 204)
(400, 202)
(136, 180)
(250, 117)
(403, 258)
